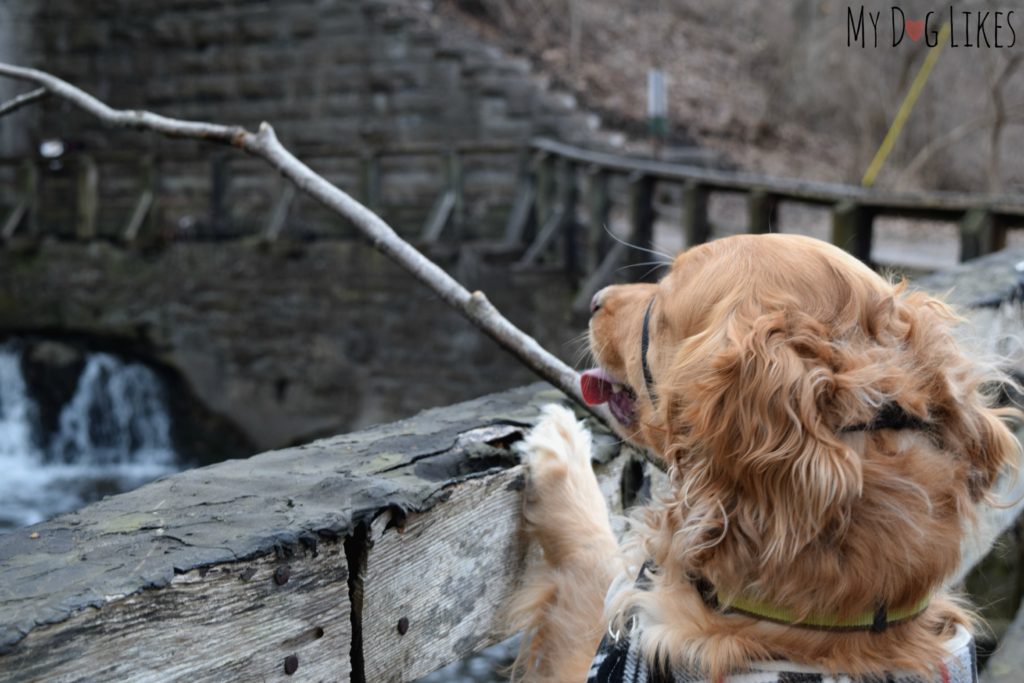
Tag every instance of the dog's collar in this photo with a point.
(875, 621)
(889, 416)
(645, 342)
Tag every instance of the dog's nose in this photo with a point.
(596, 301)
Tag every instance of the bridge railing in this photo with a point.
(133, 195)
(564, 203)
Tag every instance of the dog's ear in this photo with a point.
(962, 392)
(750, 404)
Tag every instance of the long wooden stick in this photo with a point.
(264, 144)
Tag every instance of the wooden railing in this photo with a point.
(564, 204)
(561, 207)
(130, 212)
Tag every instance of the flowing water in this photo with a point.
(112, 436)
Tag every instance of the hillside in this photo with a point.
(774, 86)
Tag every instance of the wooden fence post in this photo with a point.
(598, 207)
(88, 197)
(852, 229)
(980, 234)
(641, 210)
(695, 214)
(546, 187)
(569, 195)
(30, 189)
(522, 216)
(454, 176)
(24, 211)
(142, 212)
(762, 208)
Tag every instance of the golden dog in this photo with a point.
(826, 442)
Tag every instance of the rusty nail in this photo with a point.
(281, 575)
(403, 626)
(291, 664)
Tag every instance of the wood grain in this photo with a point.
(233, 622)
(446, 574)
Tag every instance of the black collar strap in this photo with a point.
(645, 342)
(889, 416)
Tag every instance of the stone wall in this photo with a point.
(289, 340)
(338, 79)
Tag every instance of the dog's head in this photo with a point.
(791, 389)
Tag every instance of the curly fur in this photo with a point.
(763, 348)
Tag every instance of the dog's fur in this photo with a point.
(763, 348)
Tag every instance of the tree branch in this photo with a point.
(264, 144)
(22, 100)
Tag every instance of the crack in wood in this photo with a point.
(357, 550)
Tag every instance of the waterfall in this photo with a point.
(16, 415)
(113, 435)
(117, 416)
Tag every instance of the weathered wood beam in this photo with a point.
(279, 214)
(23, 210)
(980, 234)
(569, 199)
(762, 208)
(438, 217)
(544, 169)
(454, 174)
(420, 614)
(87, 204)
(144, 204)
(545, 237)
(230, 571)
(522, 212)
(599, 205)
(561, 219)
(852, 229)
(946, 205)
(255, 619)
(642, 215)
(695, 214)
(13, 220)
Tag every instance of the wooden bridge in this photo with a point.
(568, 191)
(559, 209)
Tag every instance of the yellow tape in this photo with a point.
(904, 111)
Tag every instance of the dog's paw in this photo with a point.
(562, 504)
(557, 446)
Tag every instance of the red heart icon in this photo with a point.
(915, 28)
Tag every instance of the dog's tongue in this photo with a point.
(596, 385)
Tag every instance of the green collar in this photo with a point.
(876, 621)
